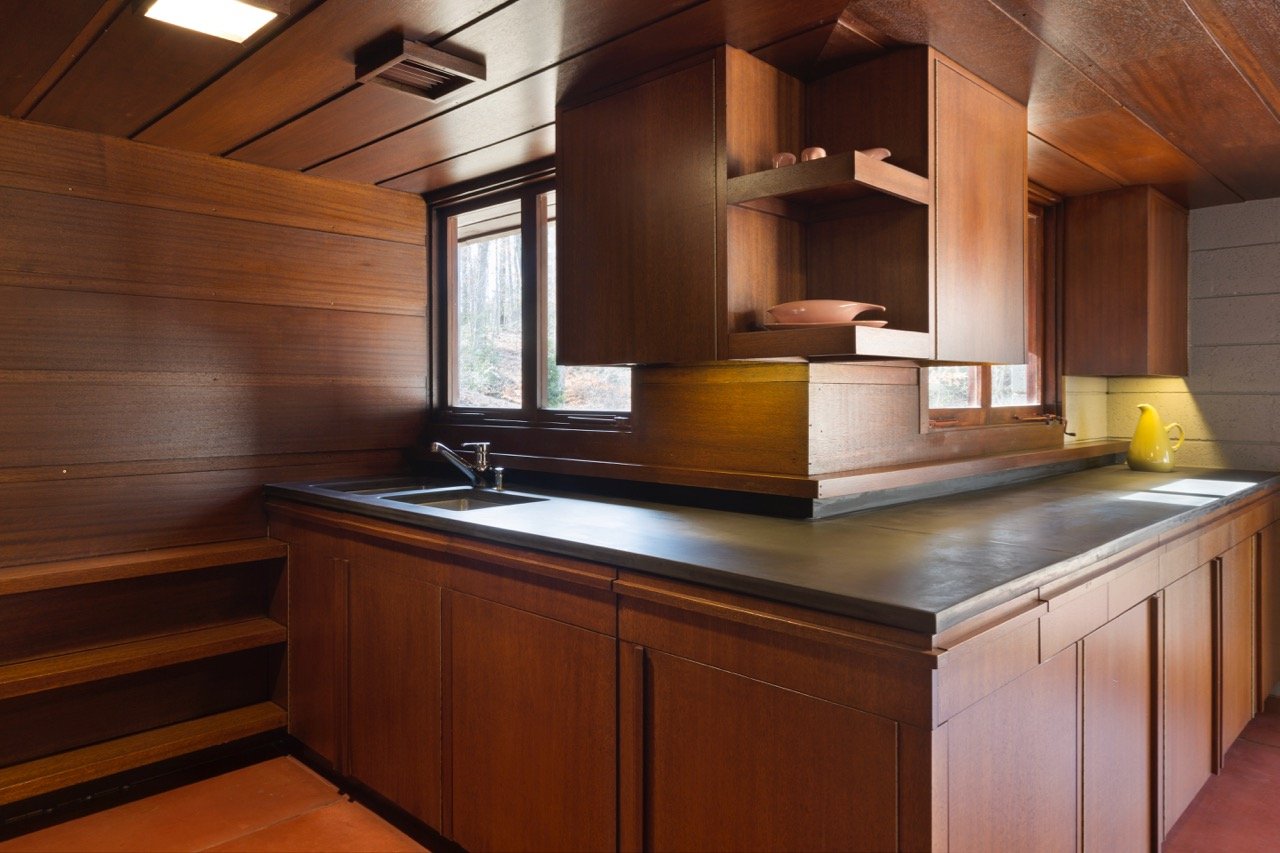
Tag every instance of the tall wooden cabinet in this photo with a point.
(682, 233)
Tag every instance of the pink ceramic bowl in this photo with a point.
(818, 311)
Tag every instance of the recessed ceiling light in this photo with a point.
(232, 20)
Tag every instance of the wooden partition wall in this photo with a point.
(175, 331)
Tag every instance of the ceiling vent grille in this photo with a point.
(417, 69)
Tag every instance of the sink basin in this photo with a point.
(461, 498)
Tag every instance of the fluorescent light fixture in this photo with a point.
(227, 19)
(1177, 500)
(1221, 488)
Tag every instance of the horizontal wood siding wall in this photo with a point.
(177, 330)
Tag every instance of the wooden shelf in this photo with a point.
(34, 676)
(18, 579)
(830, 180)
(114, 756)
(832, 341)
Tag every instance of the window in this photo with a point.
(496, 318)
(985, 394)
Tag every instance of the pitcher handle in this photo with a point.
(1182, 434)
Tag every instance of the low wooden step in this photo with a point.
(18, 579)
(115, 756)
(20, 679)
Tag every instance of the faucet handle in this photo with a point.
(482, 454)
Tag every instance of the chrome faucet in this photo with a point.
(476, 470)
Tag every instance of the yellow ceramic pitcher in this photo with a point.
(1149, 449)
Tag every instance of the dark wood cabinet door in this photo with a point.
(1188, 690)
(1120, 729)
(317, 637)
(1236, 662)
(532, 716)
(394, 671)
(1012, 762)
(639, 178)
(732, 763)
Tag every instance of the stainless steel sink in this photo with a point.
(460, 498)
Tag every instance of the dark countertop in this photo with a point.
(922, 566)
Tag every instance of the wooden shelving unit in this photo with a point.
(21, 679)
(829, 180)
(43, 775)
(111, 660)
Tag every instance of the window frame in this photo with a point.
(1043, 340)
(533, 413)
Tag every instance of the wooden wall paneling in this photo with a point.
(316, 54)
(764, 114)
(1012, 764)
(84, 244)
(980, 183)
(515, 41)
(1065, 108)
(530, 102)
(534, 742)
(1189, 693)
(48, 515)
(44, 623)
(518, 150)
(732, 763)
(118, 418)
(137, 69)
(766, 266)
(1160, 63)
(394, 671)
(54, 721)
(86, 165)
(657, 144)
(204, 338)
(1237, 663)
(32, 38)
(1120, 749)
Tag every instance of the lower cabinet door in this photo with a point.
(1012, 771)
(1120, 731)
(732, 763)
(1188, 690)
(533, 730)
(393, 715)
(1237, 620)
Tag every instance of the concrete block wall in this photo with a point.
(1229, 405)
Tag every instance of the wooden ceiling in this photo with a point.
(1183, 94)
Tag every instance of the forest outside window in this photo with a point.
(986, 394)
(497, 319)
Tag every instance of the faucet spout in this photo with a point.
(474, 474)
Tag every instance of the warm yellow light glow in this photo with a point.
(227, 19)
(1177, 500)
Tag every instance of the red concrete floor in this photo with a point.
(1237, 811)
(277, 805)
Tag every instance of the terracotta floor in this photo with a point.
(1237, 811)
(277, 805)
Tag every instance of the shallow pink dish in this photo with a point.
(817, 311)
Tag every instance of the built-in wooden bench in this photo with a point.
(111, 663)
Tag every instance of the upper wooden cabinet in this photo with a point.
(676, 233)
(1125, 285)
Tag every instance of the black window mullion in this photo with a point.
(531, 393)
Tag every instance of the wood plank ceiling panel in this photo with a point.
(530, 103)
(33, 34)
(137, 69)
(1248, 32)
(308, 63)
(1156, 59)
(476, 163)
(515, 41)
(1058, 171)
(1065, 108)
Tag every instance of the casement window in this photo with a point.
(970, 395)
(495, 318)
